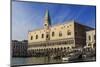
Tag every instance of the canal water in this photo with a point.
(33, 60)
(41, 60)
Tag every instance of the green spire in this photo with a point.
(47, 17)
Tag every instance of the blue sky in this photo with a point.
(27, 16)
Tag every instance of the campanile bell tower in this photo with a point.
(47, 24)
(47, 20)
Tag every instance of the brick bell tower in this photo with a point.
(47, 24)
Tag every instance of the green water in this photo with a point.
(33, 60)
(41, 60)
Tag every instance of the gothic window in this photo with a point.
(36, 36)
(31, 37)
(94, 45)
(60, 33)
(68, 32)
(89, 44)
(42, 35)
(89, 37)
(53, 33)
(76, 32)
(68, 48)
(47, 36)
(64, 47)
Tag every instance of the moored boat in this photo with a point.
(75, 54)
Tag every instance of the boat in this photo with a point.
(88, 52)
(72, 55)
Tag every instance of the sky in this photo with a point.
(27, 16)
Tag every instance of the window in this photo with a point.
(60, 33)
(31, 37)
(64, 48)
(47, 36)
(76, 32)
(94, 45)
(45, 24)
(89, 44)
(68, 32)
(53, 33)
(36, 36)
(89, 37)
(42, 35)
(68, 48)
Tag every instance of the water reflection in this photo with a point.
(33, 60)
(41, 60)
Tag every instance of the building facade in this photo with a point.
(19, 48)
(91, 39)
(60, 37)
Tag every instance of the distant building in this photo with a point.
(91, 38)
(57, 37)
(19, 48)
